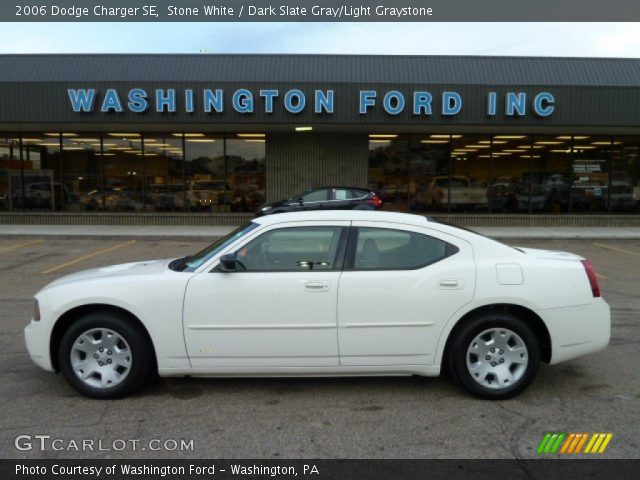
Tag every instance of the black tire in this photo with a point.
(461, 341)
(141, 353)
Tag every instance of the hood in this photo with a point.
(550, 254)
(122, 270)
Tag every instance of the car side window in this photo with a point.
(342, 194)
(315, 196)
(292, 249)
(388, 249)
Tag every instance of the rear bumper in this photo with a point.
(578, 330)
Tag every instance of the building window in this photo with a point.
(470, 173)
(123, 172)
(207, 188)
(511, 157)
(42, 188)
(164, 186)
(429, 167)
(245, 155)
(82, 172)
(389, 170)
(549, 184)
(590, 174)
(625, 175)
(10, 173)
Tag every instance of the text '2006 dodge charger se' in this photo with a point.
(325, 293)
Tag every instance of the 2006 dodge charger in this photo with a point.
(325, 293)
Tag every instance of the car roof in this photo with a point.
(343, 215)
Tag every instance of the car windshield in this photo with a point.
(193, 262)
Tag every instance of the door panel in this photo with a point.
(261, 318)
(394, 317)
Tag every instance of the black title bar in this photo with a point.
(320, 11)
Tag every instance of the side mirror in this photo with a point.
(227, 263)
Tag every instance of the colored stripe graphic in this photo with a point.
(573, 443)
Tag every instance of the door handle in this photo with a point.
(451, 284)
(316, 286)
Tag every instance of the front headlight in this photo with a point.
(36, 311)
(265, 208)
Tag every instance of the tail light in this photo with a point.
(593, 279)
(375, 201)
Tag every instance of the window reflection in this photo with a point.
(389, 170)
(245, 171)
(122, 156)
(429, 164)
(511, 162)
(164, 186)
(42, 189)
(82, 172)
(10, 183)
(590, 174)
(207, 189)
(625, 175)
(551, 175)
(470, 173)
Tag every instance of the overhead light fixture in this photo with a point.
(50, 144)
(530, 146)
(106, 154)
(583, 147)
(379, 141)
(381, 135)
(200, 140)
(606, 143)
(254, 140)
(445, 136)
(569, 137)
(250, 135)
(500, 154)
(116, 134)
(191, 135)
(72, 148)
(561, 151)
(529, 156)
(86, 139)
(548, 142)
(510, 137)
(56, 134)
(477, 146)
(304, 129)
(434, 141)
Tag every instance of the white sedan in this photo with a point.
(324, 293)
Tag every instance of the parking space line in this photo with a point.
(90, 255)
(11, 248)
(616, 249)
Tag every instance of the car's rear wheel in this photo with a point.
(495, 355)
(104, 354)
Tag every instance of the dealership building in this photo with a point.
(206, 139)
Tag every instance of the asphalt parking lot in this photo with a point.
(315, 418)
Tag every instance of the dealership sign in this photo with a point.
(393, 102)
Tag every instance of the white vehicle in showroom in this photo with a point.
(324, 293)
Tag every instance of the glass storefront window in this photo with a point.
(82, 172)
(10, 173)
(590, 174)
(246, 171)
(551, 174)
(42, 187)
(429, 166)
(389, 170)
(164, 173)
(511, 157)
(207, 189)
(625, 175)
(123, 173)
(470, 174)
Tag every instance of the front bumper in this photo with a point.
(578, 330)
(37, 341)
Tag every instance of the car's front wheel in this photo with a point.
(104, 355)
(494, 356)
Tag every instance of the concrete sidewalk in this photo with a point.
(176, 232)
